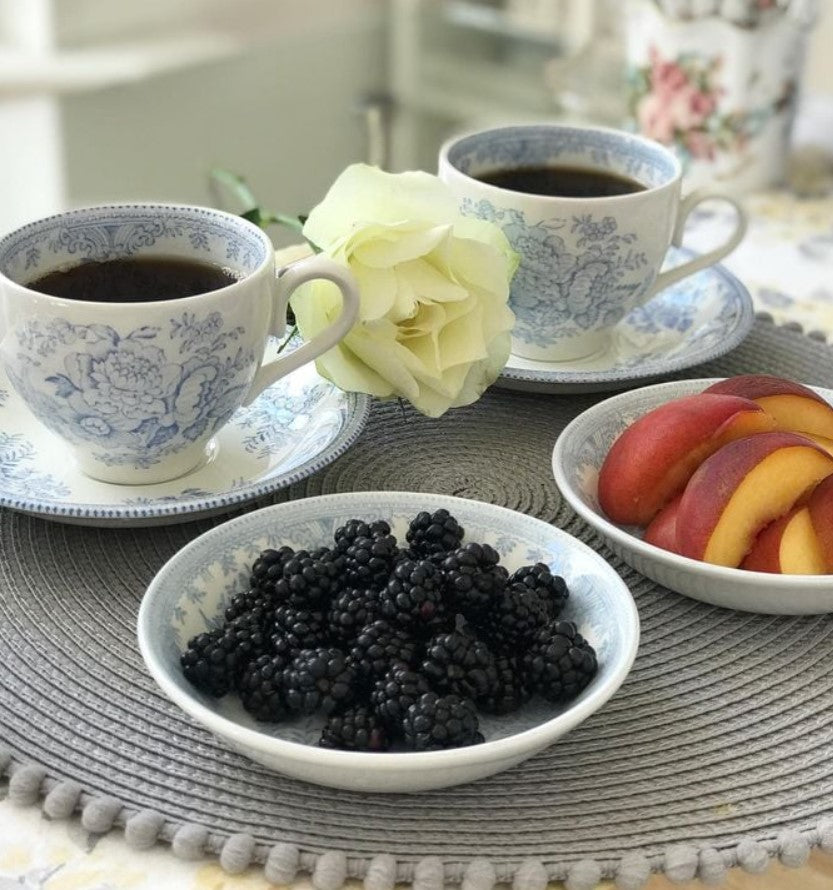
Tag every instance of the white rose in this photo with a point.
(434, 325)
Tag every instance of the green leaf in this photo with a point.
(256, 214)
(236, 184)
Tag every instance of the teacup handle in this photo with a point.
(290, 278)
(664, 279)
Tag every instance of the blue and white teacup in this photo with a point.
(137, 390)
(585, 262)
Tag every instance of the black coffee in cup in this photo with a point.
(562, 182)
(134, 280)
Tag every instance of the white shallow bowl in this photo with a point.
(191, 589)
(577, 458)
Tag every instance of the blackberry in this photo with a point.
(346, 534)
(434, 722)
(395, 693)
(247, 635)
(513, 619)
(350, 611)
(378, 647)
(510, 691)
(551, 588)
(310, 579)
(413, 599)
(430, 533)
(318, 680)
(297, 629)
(356, 728)
(472, 579)
(368, 561)
(261, 688)
(460, 663)
(243, 603)
(268, 568)
(213, 661)
(209, 664)
(560, 662)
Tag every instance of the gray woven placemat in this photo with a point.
(715, 752)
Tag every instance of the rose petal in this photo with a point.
(398, 245)
(429, 283)
(363, 194)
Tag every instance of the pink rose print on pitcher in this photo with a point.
(719, 93)
(680, 100)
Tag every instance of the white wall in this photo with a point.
(285, 116)
(820, 58)
(102, 100)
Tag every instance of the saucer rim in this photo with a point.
(358, 407)
(549, 379)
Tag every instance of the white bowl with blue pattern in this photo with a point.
(577, 458)
(188, 594)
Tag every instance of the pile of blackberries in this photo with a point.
(393, 644)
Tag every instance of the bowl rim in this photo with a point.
(527, 741)
(744, 578)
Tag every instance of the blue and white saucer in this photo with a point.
(690, 322)
(297, 426)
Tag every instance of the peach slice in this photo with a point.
(662, 531)
(826, 444)
(794, 406)
(820, 508)
(742, 488)
(788, 546)
(654, 457)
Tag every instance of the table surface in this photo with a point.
(786, 261)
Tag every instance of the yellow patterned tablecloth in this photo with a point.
(786, 261)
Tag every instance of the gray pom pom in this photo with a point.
(61, 801)
(381, 873)
(825, 830)
(189, 841)
(236, 855)
(5, 760)
(141, 831)
(793, 848)
(583, 875)
(282, 864)
(99, 814)
(479, 875)
(429, 874)
(712, 867)
(633, 872)
(531, 875)
(752, 857)
(25, 785)
(681, 863)
(330, 871)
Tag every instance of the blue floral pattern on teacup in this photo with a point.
(123, 393)
(106, 233)
(576, 274)
(530, 145)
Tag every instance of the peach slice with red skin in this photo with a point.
(742, 488)
(662, 530)
(655, 456)
(793, 406)
(788, 546)
(820, 508)
(823, 441)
